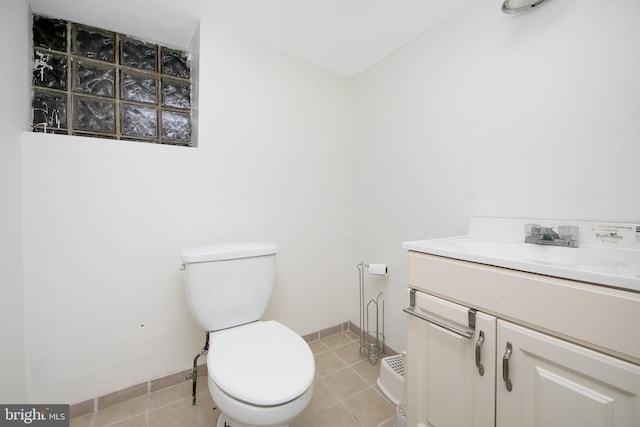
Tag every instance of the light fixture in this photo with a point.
(516, 6)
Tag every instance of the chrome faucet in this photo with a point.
(567, 235)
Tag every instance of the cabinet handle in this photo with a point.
(479, 364)
(505, 367)
(466, 334)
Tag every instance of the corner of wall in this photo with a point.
(14, 21)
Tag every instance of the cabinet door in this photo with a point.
(559, 384)
(444, 385)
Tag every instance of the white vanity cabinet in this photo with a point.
(569, 350)
(556, 383)
(451, 377)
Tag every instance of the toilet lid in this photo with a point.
(262, 363)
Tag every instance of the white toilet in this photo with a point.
(260, 372)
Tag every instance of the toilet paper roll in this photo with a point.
(378, 269)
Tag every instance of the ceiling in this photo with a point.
(343, 36)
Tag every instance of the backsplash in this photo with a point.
(592, 233)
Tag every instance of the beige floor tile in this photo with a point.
(366, 370)
(322, 399)
(169, 395)
(327, 363)
(202, 384)
(349, 353)
(83, 421)
(370, 407)
(179, 414)
(137, 421)
(334, 341)
(299, 422)
(335, 416)
(344, 383)
(208, 411)
(389, 423)
(318, 347)
(120, 412)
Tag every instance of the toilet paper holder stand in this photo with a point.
(371, 341)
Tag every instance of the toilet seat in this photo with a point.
(261, 363)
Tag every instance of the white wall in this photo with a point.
(105, 220)
(13, 113)
(487, 114)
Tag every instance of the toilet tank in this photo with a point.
(229, 284)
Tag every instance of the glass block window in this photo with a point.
(93, 82)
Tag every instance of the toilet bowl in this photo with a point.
(260, 374)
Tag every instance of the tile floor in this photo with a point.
(345, 394)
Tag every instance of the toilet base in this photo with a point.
(224, 421)
(256, 416)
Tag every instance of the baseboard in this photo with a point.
(128, 393)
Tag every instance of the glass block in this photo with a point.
(49, 33)
(138, 54)
(93, 115)
(49, 110)
(93, 43)
(138, 87)
(176, 94)
(93, 79)
(176, 126)
(138, 121)
(49, 70)
(176, 63)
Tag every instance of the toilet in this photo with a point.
(260, 372)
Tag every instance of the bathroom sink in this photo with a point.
(591, 258)
(602, 265)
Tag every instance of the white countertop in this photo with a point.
(609, 253)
